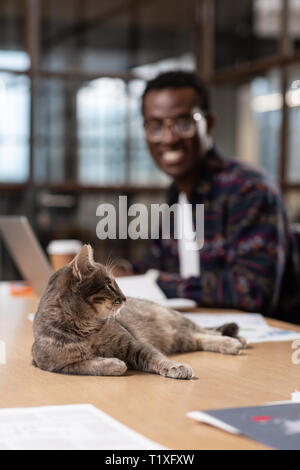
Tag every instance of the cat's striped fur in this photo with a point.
(85, 325)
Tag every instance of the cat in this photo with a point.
(84, 325)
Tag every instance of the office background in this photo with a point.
(71, 76)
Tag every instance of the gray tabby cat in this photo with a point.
(85, 325)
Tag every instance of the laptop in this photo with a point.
(26, 251)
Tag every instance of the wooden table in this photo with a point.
(152, 405)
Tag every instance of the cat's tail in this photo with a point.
(229, 329)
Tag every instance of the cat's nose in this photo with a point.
(121, 296)
(120, 300)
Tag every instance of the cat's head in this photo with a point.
(94, 284)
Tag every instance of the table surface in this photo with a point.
(150, 404)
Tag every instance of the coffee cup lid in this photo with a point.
(64, 247)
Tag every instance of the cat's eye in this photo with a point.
(98, 299)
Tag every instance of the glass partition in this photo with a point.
(293, 103)
(14, 128)
(91, 133)
(102, 127)
(12, 41)
(249, 121)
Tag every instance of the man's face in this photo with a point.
(175, 155)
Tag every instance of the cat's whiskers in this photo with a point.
(111, 264)
(119, 310)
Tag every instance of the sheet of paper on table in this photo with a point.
(143, 286)
(253, 326)
(67, 427)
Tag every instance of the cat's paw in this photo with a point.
(174, 370)
(243, 342)
(230, 346)
(112, 366)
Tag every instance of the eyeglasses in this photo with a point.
(182, 126)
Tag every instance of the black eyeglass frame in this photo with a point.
(195, 117)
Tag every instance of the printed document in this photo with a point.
(66, 427)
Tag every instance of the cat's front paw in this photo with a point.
(113, 366)
(243, 342)
(230, 346)
(174, 370)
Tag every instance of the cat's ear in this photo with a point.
(83, 263)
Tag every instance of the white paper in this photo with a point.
(67, 427)
(143, 286)
(253, 326)
(202, 417)
(244, 320)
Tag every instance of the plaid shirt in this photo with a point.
(249, 260)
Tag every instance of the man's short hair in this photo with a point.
(180, 79)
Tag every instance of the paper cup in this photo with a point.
(61, 252)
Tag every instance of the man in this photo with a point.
(249, 259)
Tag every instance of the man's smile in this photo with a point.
(172, 157)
